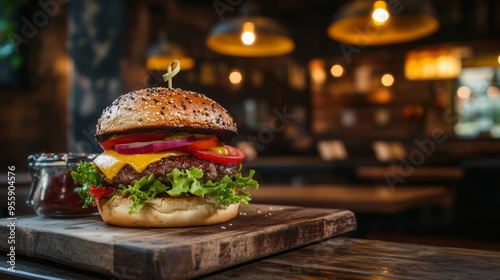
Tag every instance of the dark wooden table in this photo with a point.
(347, 258)
(336, 258)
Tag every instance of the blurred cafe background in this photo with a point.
(390, 109)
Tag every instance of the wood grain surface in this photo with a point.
(348, 258)
(169, 253)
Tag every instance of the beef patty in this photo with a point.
(211, 170)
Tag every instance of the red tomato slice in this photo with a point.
(130, 138)
(234, 155)
(98, 193)
(200, 144)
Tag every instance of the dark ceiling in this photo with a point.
(307, 20)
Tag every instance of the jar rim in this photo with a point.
(59, 159)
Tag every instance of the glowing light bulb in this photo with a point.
(317, 71)
(248, 38)
(235, 77)
(493, 92)
(337, 70)
(248, 34)
(380, 14)
(463, 92)
(318, 76)
(387, 80)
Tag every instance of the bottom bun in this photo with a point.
(167, 212)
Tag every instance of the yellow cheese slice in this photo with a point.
(110, 162)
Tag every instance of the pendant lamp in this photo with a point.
(163, 52)
(249, 35)
(369, 22)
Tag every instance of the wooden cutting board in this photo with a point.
(161, 253)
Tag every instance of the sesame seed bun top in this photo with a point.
(165, 109)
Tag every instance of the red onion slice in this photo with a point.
(152, 146)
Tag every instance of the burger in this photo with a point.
(166, 162)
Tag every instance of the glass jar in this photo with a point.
(53, 191)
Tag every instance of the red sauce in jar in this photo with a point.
(61, 197)
(53, 192)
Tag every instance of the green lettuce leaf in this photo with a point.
(223, 189)
(183, 183)
(86, 175)
(143, 190)
(227, 191)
